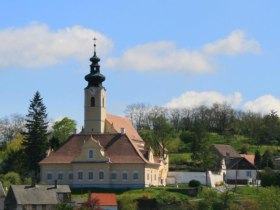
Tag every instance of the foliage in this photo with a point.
(267, 160)
(13, 156)
(10, 127)
(63, 206)
(10, 178)
(244, 148)
(35, 141)
(127, 203)
(194, 183)
(268, 198)
(63, 129)
(257, 159)
(269, 178)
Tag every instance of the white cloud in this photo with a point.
(263, 105)
(193, 99)
(234, 44)
(160, 56)
(36, 45)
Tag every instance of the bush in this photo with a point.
(194, 183)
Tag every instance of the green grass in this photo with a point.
(247, 192)
(179, 158)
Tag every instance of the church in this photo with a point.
(108, 152)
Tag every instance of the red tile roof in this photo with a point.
(117, 147)
(224, 150)
(121, 122)
(104, 199)
(250, 158)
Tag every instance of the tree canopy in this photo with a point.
(36, 135)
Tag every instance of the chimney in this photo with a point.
(122, 131)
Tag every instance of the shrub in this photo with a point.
(194, 183)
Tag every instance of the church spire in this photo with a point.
(94, 78)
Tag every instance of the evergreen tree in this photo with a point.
(35, 142)
(258, 159)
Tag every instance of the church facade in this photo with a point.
(108, 152)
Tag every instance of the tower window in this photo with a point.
(92, 101)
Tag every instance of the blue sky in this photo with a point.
(166, 53)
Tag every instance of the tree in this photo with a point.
(35, 141)
(163, 133)
(267, 160)
(10, 126)
(63, 129)
(258, 159)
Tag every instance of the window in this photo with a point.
(103, 104)
(248, 173)
(80, 175)
(101, 175)
(44, 207)
(90, 154)
(135, 175)
(124, 175)
(155, 177)
(90, 175)
(113, 175)
(60, 176)
(70, 175)
(49, 176)
(92, 102)
(148, 176)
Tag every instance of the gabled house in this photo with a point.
(108, 152)
(38, 197)
(236, 168)
(102, 201)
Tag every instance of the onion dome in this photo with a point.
(94, 78)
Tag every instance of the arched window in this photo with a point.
(92, 102)
(80, 175)
(60, 175)
(101, 174)
(90, 154)
(114, 175)
(124, 175)
(135, 175)
(90, 175)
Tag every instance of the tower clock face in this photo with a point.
(92, 91)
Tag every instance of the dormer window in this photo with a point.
(90, 154)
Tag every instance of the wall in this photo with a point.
(242, 174)
(185, 177)
(174, 177)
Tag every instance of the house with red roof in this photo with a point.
(108, 152)
(102, 201)
(236, 168)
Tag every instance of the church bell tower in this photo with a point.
(95, 98)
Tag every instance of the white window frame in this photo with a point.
(90, 171)
(90, 154)
(60, 173)
(70, 173)
(49, 173)
(125, 172)
(137, 174)
(78, 173)
(103, 175)
(115, 174)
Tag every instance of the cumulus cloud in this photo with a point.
(193, 99)
(235, 44)
(166, 56)
(264, 104)
(161, 56)
(37, 46)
